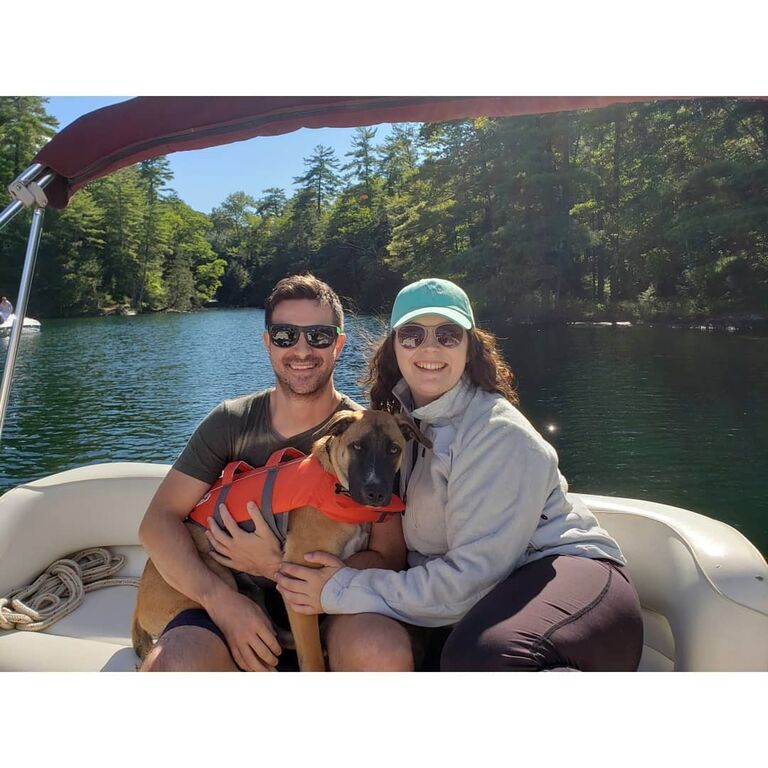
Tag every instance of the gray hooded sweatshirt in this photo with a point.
(486, 499)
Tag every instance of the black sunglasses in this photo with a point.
(285, 335)
(448, 335)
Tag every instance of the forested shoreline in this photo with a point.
(648, 212)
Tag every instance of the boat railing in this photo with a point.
(27, 191)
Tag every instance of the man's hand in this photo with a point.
(249, 632)
(301, 586)
(257, 553)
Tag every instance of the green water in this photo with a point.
(674, 416)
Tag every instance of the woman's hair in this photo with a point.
(486, 369)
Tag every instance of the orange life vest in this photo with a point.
(288, 480)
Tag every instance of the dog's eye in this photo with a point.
(357, 446)
(394, 448)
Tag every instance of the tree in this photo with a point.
(230, 236)
(24, 127)
(231, 222)
(271, 203)
(122, 197)
(295, 238)
(70, 279)
(397, 156)
(352, 254)
(156, 230)
(192, 270)
(320, 177)
(362, 164)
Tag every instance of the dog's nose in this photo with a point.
(376, 495)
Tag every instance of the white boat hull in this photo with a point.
(703, 586)
(30, 325)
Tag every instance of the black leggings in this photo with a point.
(558, 613)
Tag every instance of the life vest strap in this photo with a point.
(278, 523)
(220, 500)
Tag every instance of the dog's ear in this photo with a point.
(341, 422)
(411, 431)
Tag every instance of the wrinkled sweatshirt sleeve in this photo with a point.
(500, 480)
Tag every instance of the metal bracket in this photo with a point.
(27, 191)
(28, 194)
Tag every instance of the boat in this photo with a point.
(29, 325)
(703, 586)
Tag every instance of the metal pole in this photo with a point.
(29, 173)
(21, 310)
(12, 209)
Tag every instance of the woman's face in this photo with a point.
(431, 368)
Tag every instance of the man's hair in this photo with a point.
(304, 286)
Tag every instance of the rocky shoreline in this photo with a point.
(732, 323)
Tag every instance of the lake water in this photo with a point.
(674, 416)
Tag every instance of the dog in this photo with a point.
(362, 450)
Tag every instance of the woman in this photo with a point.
(522, 573)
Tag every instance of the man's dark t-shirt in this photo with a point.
(241, 430)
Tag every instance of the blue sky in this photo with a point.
(203, 178)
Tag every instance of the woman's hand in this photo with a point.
(301, 586)
(257, 553)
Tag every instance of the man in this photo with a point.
(233, 631)
(6, 309)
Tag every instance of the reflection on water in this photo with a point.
(668, 415)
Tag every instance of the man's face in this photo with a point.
(302, 370)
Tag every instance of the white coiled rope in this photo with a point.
(61, 589)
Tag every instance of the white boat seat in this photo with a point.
(703, 587)
(42, 521)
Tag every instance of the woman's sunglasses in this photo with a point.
(285, 335)
(411, 336)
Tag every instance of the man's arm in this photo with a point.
(386, 547)
(249, 632)
(167, 541)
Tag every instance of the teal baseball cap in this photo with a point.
(432, 296)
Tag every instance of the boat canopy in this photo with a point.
(113, 137)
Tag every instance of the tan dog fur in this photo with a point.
(308, 530)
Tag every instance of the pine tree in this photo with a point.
(397, 156)
(70, 279)
(361, 166)
(25, 127)
(122, 197)
(154, 174)
(271, 203)
(321, 176)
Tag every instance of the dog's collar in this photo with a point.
(342, 490)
